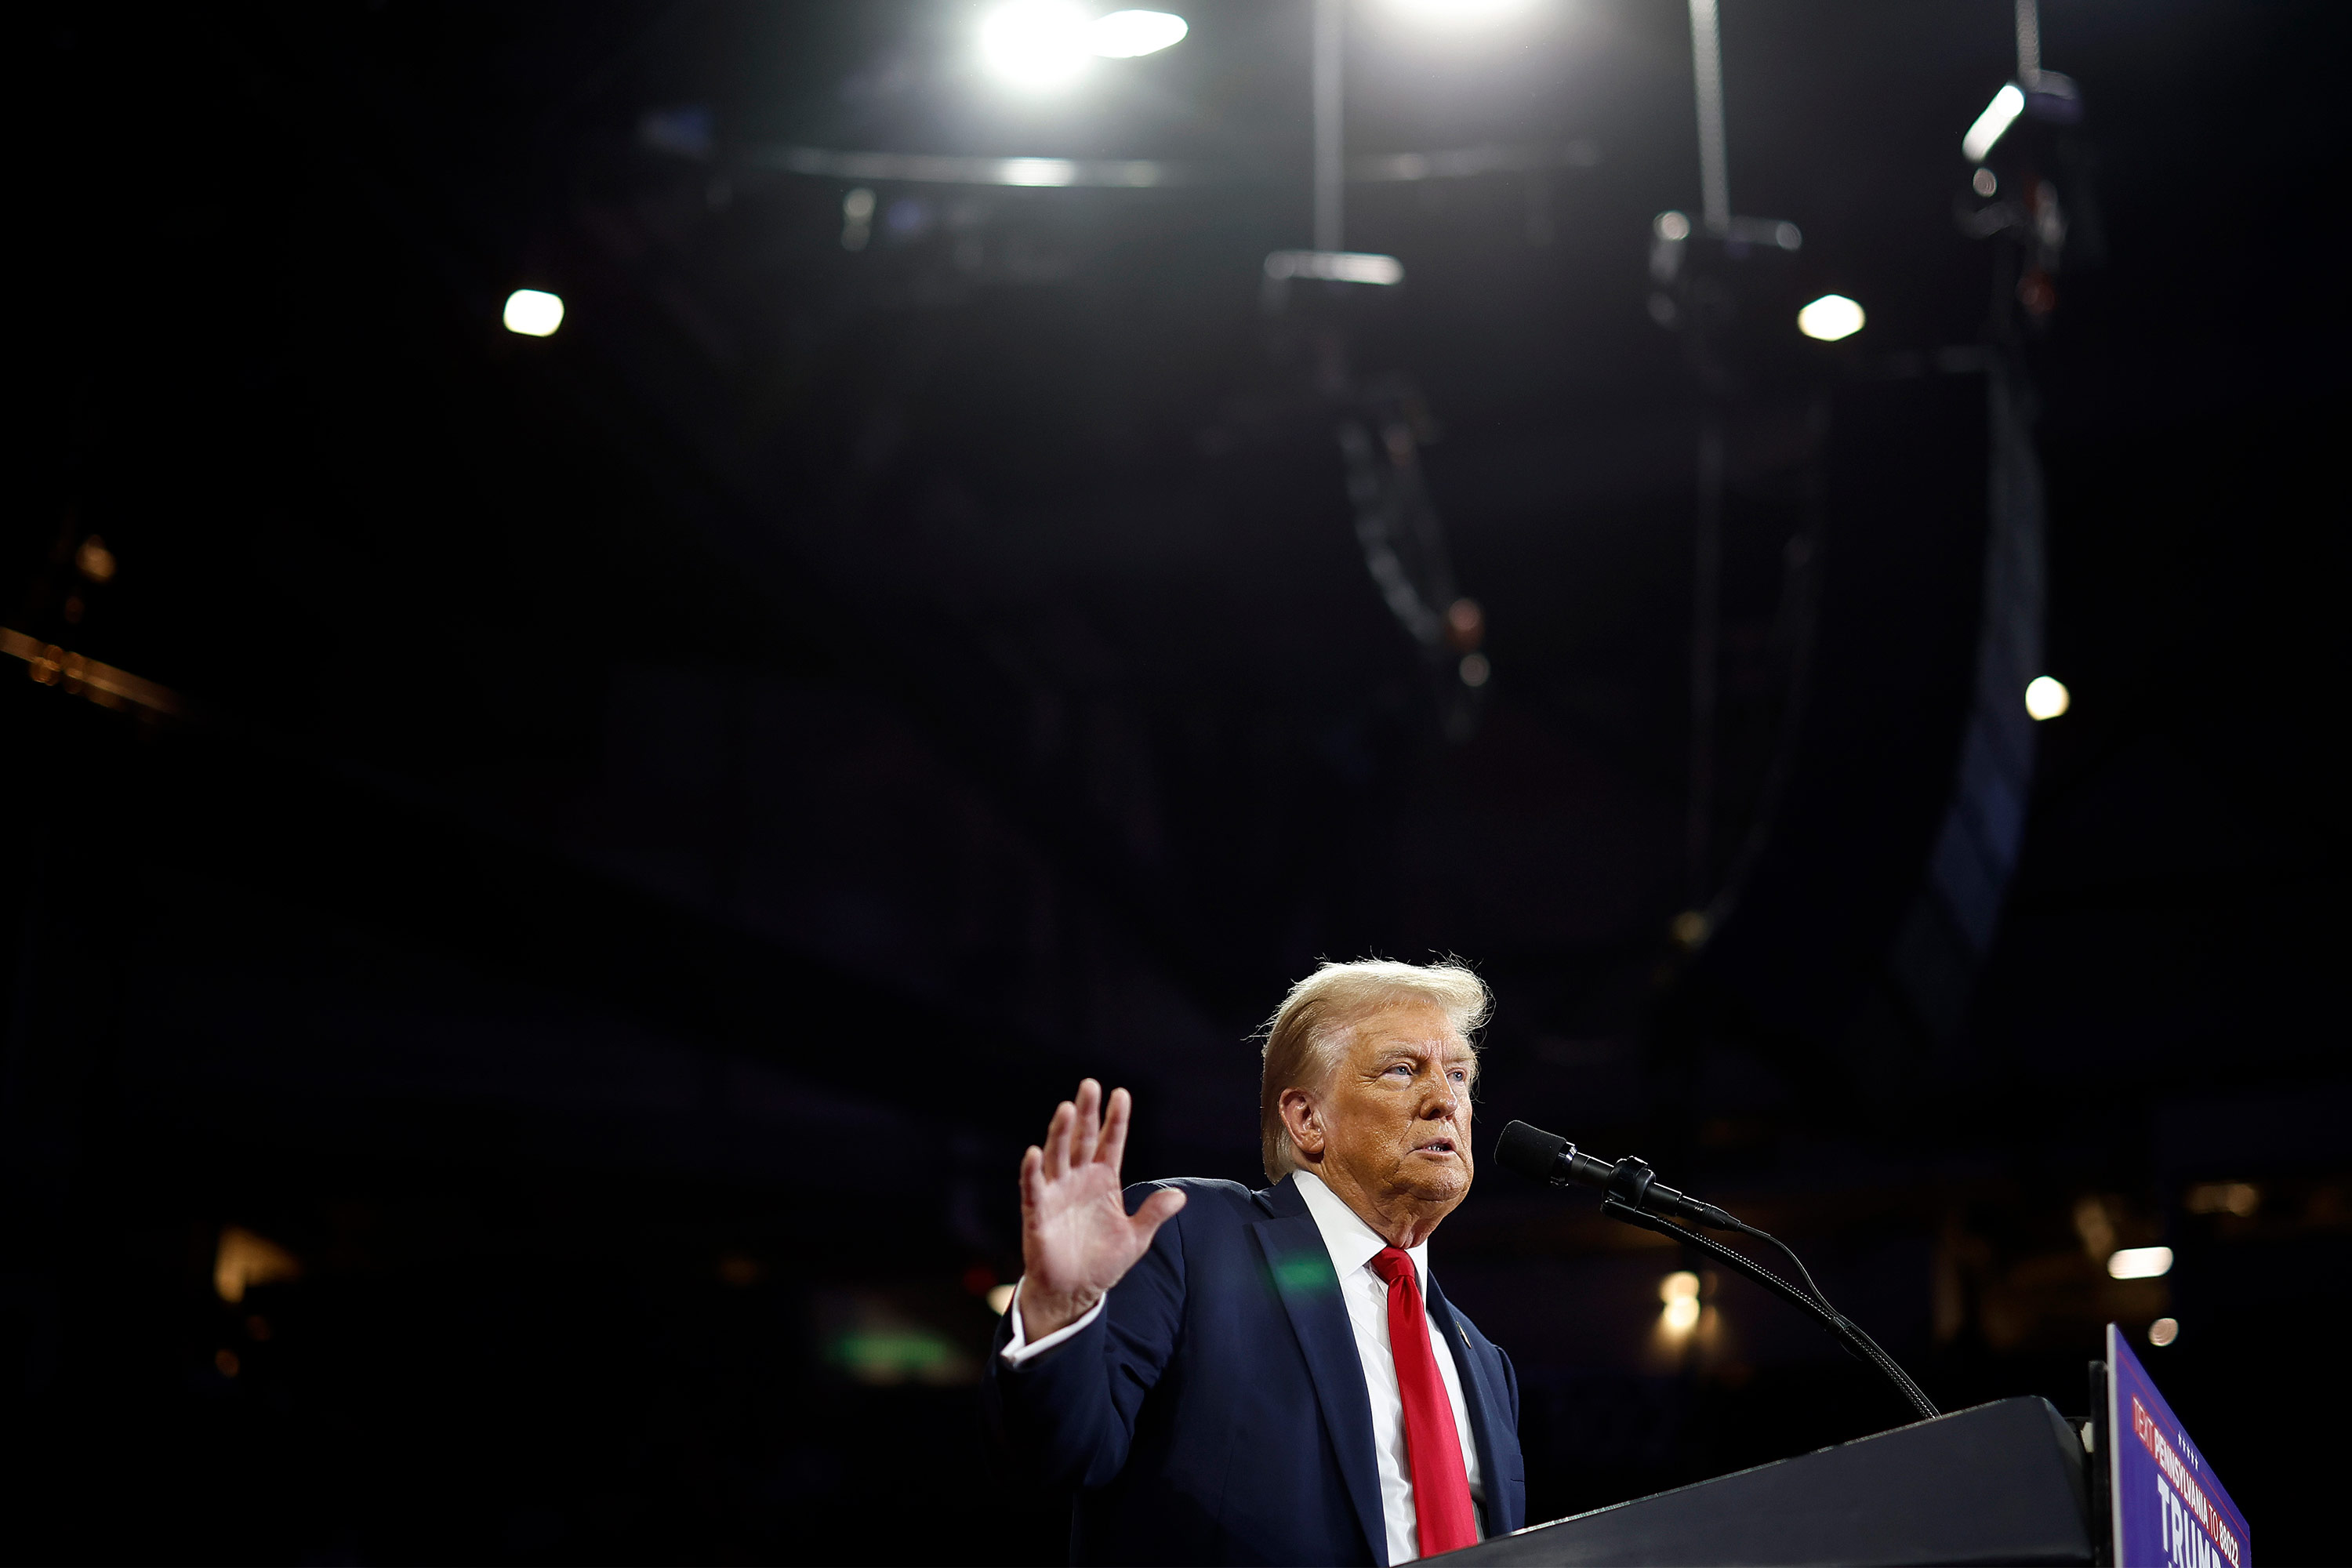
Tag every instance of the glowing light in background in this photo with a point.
(2140, 1263)
(2240, 1198)
(1671, 225)
(1336, 266)
(1999, 116)
(2046, 698)
(2163, 1331)
(1038, 171)
(533, 313)
(1046, 43)
(1829, 318)
(1124, 35)
(1475, 670)
(1471, 13)
(1000, 1298)
(1984, 182)
(244, 1259)
(1679, 1291)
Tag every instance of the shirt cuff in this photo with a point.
(1021, 1350)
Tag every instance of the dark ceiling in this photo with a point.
(932, 669)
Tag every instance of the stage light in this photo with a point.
(1999, 116)
(533, 313)
(2163, 1331)
(1671, 225)
(1000, 1298)
(2046, 697)
(1475, 670)
(1984, 182)
(1679, 1291)
(1336, 266)
(2140, 1263)
(1038, 171)
(1124, 35)
(1036, 43)
(1829, 318)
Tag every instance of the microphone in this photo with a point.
(1633, 1194)
(1547, 1157)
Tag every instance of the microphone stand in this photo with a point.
(1860, 1345)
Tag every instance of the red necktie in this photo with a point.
(1441, 1486)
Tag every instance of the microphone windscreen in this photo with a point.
(1529, 1151)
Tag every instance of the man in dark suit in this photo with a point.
(1227, 1376)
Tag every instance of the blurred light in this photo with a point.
(245, 1260)
(1475, 670)
(1039, 172)
(1473, 12)
(2163, 1331)
(1681, 1315)
(2046, 698)
(2140, 1263)
(857, 218)
(887, 1356)
(94, 559)
(1671, 226)
(1829, 318)
(1999, 116)
(1983, 182)
(1036, 43)
(1124, 35)
(1690, 930)
(1334, 266)
(1000, 1298)
(2240, 1198)
(1678, 1287)
(533, 313)
(224, 1362)
(258, 1328)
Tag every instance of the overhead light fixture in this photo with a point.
(1999, 116)
(2140, 1263)
(2047, 697)
(534, 312)
(1126, 35)
(1046, 43)
(1829, 318)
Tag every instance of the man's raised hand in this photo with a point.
(1078, 1240)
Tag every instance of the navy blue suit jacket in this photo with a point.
(1215, 1412)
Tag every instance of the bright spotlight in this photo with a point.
(2046, 697)
(1999, 116)
(2163, 1331)
(533, 314)
(1829, 318)
(1124, 35)
(1036, 43)
(2140, 1263)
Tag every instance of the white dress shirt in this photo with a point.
(1353, 1245)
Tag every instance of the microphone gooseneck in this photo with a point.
(1632, 1192)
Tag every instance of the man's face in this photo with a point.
(1395, 1119)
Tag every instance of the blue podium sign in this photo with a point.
(2170, 1509)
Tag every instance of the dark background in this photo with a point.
(659, 813)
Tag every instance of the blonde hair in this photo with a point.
(1308, 1032)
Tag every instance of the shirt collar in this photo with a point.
(1351, 1243)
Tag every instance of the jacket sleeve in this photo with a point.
(1068, 1416)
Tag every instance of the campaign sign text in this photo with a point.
(2170, 1509)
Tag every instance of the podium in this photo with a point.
(2005, 1482)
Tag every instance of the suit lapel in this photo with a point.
(1485, 1410)
(1301, 1269)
